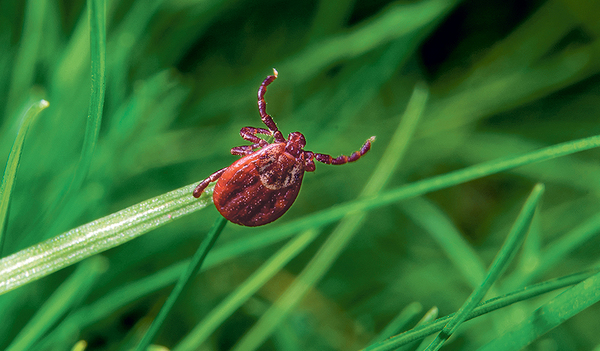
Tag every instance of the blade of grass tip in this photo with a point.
(97, 22)
(100, 235)
(399, 322)
(184, 280)
(483, 308)
(345, 230)
(64, 297)
(549, 316)
(194, 340)
(81, 345)
(63, 250)
(428, 317)
(12, 165)
(505, 255)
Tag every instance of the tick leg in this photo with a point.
(340, 160)
(262, 107)
(203, 184)
(245, 149)
(249, 133)
(309, 161)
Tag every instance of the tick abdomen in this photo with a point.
(261, 188)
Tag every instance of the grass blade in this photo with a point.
(483, 308)
(549, 315)
(507, 253)
(89, 239)
(220, 313)
(399, 322)
(12, 165)
(184, 280)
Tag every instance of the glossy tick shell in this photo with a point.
(262, 185)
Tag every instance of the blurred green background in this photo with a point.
(505, 78)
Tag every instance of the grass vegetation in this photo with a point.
(472, 224)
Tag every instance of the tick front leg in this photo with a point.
(340, 160)
(249, 133)
(203, 184)
(262, 108)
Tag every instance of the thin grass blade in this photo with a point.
(12, 165)
(549, 316)
(183, 282)
(505, 255)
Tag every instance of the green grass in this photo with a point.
(473, 105)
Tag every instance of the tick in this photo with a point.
(262, 185)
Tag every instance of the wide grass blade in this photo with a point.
(89, 239)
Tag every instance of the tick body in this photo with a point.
(262, 185)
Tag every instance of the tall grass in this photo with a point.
(479, 196)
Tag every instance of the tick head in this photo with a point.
(295, 144)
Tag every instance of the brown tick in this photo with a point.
(258, 188)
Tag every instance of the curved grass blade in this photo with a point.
(12, 165)
(507, 253)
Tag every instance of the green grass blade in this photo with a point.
(558, 250)
(97, 16)
(340, 236)
(89, 239)
(399, 322)
(505, 255)
(194, 340)
(64, 297)
(549, 316)
(485, 307)
(184, 280)
(12, 165)
(427, 318)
